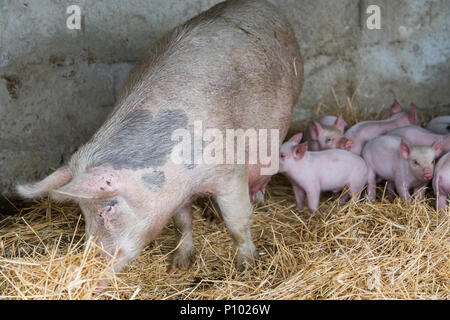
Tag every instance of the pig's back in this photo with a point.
(415, 135)
(338, 163)
(237, 65)
(382, 154)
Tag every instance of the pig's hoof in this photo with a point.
(259, 199)
(182, 259)
(101, 286)
(245, 261)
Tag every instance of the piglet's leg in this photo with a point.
(299, 196)
(391, 195)
(372, 185)
(441, 201)
(313, 195)
(184, 255)
(419, 192)
(234, 203)
(402, 190)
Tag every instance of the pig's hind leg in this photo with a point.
(345, 196)
(184, 255)
(441, 201)
(371, 184)
(356, 188)
(236, 209)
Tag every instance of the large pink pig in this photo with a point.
(407, 166)
(419, 136)
(441, 181)
(364, 131)
(313, 172)
(235, 66)
(327, 133)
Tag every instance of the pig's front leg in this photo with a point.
(403, 190)
(299, 196)
(313, 195)
(419, 192)
(184, 255)
(234, 203)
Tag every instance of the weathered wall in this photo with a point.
(57, 85)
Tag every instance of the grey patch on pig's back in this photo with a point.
(138, 140)
(154, 181)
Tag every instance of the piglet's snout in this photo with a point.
(427, 174)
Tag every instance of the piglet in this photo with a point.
(419, 136)
(364, 131)
(440, 125)
(313, 172)
(393, 159)
(441, 181)
(327, 132)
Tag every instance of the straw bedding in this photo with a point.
(360, 250)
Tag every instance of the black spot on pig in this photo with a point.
(448, 128)
(136, 140)
(111, 203)
(154, 181)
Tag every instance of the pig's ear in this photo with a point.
(405, 149)
(299, 151)
(340, 123)
(412, 116)
(297, 138)
(315, 130)
(395, 108)
(437, 147)
(98, 183)
(54, 181)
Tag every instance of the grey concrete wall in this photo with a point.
(57, 85)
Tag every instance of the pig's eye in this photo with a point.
(282, 156)
(416, 163)
(330, 140)
(107, 208)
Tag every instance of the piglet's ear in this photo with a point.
(98, 183)
(412, 116)
(297, 138)
(437, 147)
(405, 149)
(315, 130)
(299, 151)
(340, 123)
(395, 108)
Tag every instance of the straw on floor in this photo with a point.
(360, 250)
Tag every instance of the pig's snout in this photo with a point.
(427, 174)
(346, 144)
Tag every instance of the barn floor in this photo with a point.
(360, 250)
